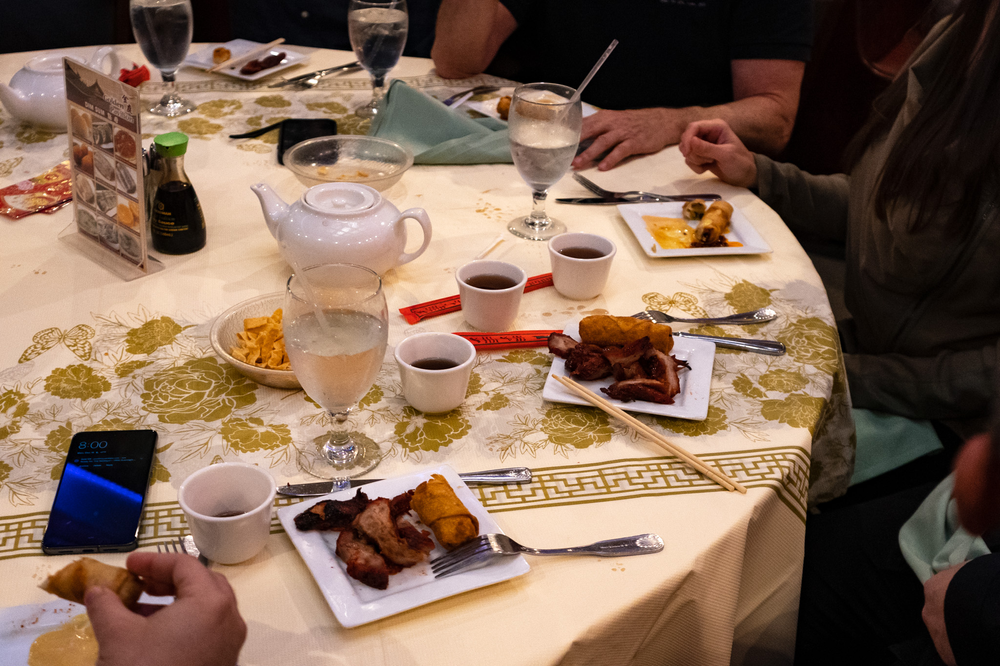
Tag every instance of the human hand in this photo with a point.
(201, 628)
(711, 145)
(977, 484)
(634, 132)
(934, 592)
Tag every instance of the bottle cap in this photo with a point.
(171, 144)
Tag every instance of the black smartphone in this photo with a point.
(297, 130)
(101, 494)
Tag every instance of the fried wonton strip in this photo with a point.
(72, 581)
(441, 510)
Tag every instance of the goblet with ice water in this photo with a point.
(336, 331)
(378, 35)
(544, 123)
(163, 29)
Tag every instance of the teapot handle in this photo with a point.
(420, 215)
(101, 56)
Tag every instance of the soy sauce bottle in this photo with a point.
(177, 225)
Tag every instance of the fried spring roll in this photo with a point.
(715, 222)
(693, 210)
(72, 581)
(605, 330)
(441, 510)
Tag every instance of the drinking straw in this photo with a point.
(597, 66)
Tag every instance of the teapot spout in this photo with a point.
(275, 209)
(15, 101)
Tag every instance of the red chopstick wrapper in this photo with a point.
(508, 339)
(421, 311)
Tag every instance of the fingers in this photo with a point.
(621, 151)
(170, 573)
(711, 131)
(108, 615)
(600, 145)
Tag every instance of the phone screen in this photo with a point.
(102, 492)
(297, 130)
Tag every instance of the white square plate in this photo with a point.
(696, 384)
(740, 231)
(21, 625)
(354, 603)
(203, 59)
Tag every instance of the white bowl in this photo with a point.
(230, 322)
(347, 158)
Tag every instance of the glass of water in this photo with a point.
(378, 35)
(163, 29)
(336, 330)
(544, 125)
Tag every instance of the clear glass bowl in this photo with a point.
(375, 162)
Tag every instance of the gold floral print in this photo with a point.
(76, 381)
(813, 342)
(220, 108)
(200, 389)
(417, 431)
(713, 423)
(578, 427)
(746, 296)
(272, 102)
(13, 407)
(252, 434)
(199, 127)
(784, 381)
(152, 335)
(797, 410)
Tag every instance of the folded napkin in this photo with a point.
(932, 539)
(886, 441)
(435, 133)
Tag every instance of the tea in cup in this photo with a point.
(581, 264)
(490, 292)
(435, 369)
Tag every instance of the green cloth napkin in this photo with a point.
(887, 441)
(932, 539)
(435, 133)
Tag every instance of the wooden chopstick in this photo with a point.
(694, 461)
(249, 55)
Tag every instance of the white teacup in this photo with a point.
(581, 277)
(490, 309)
(228, 508)
(435, 391)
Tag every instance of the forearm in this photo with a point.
(950, 385)
(762, 122)
(467, 36)
(806, 202)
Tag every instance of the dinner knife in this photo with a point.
(769, 347)
(614, 201)
(320, 73)
(488, 477)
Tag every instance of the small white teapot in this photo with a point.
(37, 93)
(341, 223)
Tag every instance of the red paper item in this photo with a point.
(421, 311)
(43, 193)
(134, 76)
(508, 339)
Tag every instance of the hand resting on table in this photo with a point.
(711, 145)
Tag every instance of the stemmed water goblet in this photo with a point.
(163, 29)
(378, 35)
(336, 330)
(544, 123)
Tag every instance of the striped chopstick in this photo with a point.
(694, 461)
(249, 55)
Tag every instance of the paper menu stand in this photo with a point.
(109, 202)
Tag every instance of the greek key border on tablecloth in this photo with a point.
(785, 469)
(226, 85)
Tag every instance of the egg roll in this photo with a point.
(605, 330)
(440, 509)
(72, 581)
(714, 223)
(693, 210)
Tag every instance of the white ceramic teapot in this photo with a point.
(37, 93)
(341, 223)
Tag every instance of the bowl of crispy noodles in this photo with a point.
(236, 320)
(346, 158)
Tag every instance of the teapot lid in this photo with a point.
(342, 198)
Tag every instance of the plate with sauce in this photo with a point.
(237, 47)
(663, 232)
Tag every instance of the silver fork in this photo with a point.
(631, 194)
(478, 90)
(184, 545)
(486, 547)
(311, 79)
(768, 347)
(740, 318)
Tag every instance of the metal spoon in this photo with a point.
(741, 318)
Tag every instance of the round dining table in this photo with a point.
(84, 349)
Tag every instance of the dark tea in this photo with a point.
(229, 514)
(582, 252)
(488, 281)
(434, 364)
